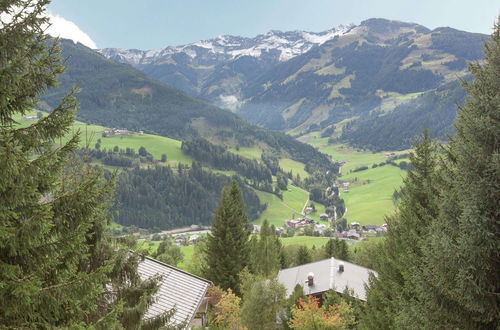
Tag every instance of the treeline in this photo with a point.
(117, 95)
(259, 175)
(117, 156)
(434, 110)
(438, 268)
(165, 198)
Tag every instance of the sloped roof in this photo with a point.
(327, 276)
(178, 288)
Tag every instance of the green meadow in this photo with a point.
(369, 198)
(353, 158)
(278, 210)
(187, 252)
(308, 241)
(248, 152)
(156, 145)
(296, 167)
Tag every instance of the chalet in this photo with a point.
(256, 229)
(318, 277)
(193, 239)
(177, 288)
(320, 228)
(369, 227)
(355, 225)
(116, 131)
(323, 216)
(352, 234)
(308, 210)
(298, 223)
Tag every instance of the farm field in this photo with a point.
(296, 167)
(187, 252)
(308, 241)
(156, 145)
(278, 210)
(352, 157)
(369, 198)
(366, 203)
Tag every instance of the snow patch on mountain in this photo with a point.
(288, 44)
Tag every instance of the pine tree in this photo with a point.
(460, 279)
(57, 268)
(303, 256)
(262, 303)
(336, 248)
(266, 252)
(227, 244)
(402, 252)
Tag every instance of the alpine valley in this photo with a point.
(303, 82)
(312, 97)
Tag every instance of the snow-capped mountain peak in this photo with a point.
(285, 46)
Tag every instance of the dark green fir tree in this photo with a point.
(266, 252)
(227, 245)
(303, 256)
(57, 267)
(402, 252)
(459, 282)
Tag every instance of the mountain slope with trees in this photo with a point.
(59, 267)
(438, 268)
(117, 95)
(434, 110)
(353, 71)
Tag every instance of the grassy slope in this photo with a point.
(277, 210)
(155, 144)
(366, 203)
(248, 152)
(369, 203)
(288, 165)
(354, 158)
(308, 241)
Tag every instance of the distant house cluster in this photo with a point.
(185, 239)
(308, 210)
(299, 223)
(119, 131)
(304, 222)
(357, 231)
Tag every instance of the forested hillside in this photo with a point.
(303, 82)
(373, 67)
(164, 198)
(434, 110)
(117, 95)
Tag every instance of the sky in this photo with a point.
(150, 24)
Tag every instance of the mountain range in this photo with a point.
(117, 95)
(303, 81)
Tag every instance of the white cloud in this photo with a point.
(61, 27)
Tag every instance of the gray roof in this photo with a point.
(327, 276)
(178, 288)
